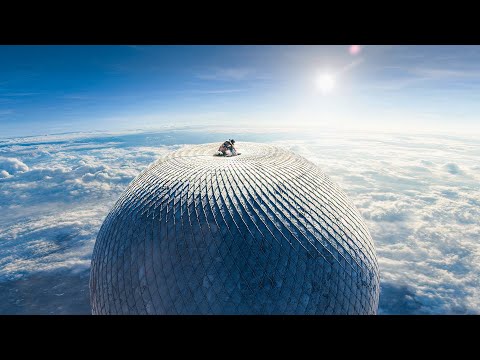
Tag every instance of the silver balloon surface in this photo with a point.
(266, 232)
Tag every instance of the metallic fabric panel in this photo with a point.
(266, 232)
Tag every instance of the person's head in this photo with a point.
(232, 141)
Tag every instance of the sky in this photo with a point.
(53, 89)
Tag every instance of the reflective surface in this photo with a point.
(265, 232)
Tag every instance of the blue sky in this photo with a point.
(48, 89)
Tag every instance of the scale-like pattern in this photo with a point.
(265, 232)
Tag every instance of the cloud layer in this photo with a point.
(418, 194)
(420, 198)
(55, 196)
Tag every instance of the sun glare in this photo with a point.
(325, 83)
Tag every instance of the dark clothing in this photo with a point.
(227, 149)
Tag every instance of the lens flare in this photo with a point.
(355, 49)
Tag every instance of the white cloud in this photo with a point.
(226, 74)
(6, 112)
(52, 209)
(4, 174)
(217, 91)
(12, 165)
(440, 73)
(58, 240)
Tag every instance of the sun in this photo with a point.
(325, 83)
